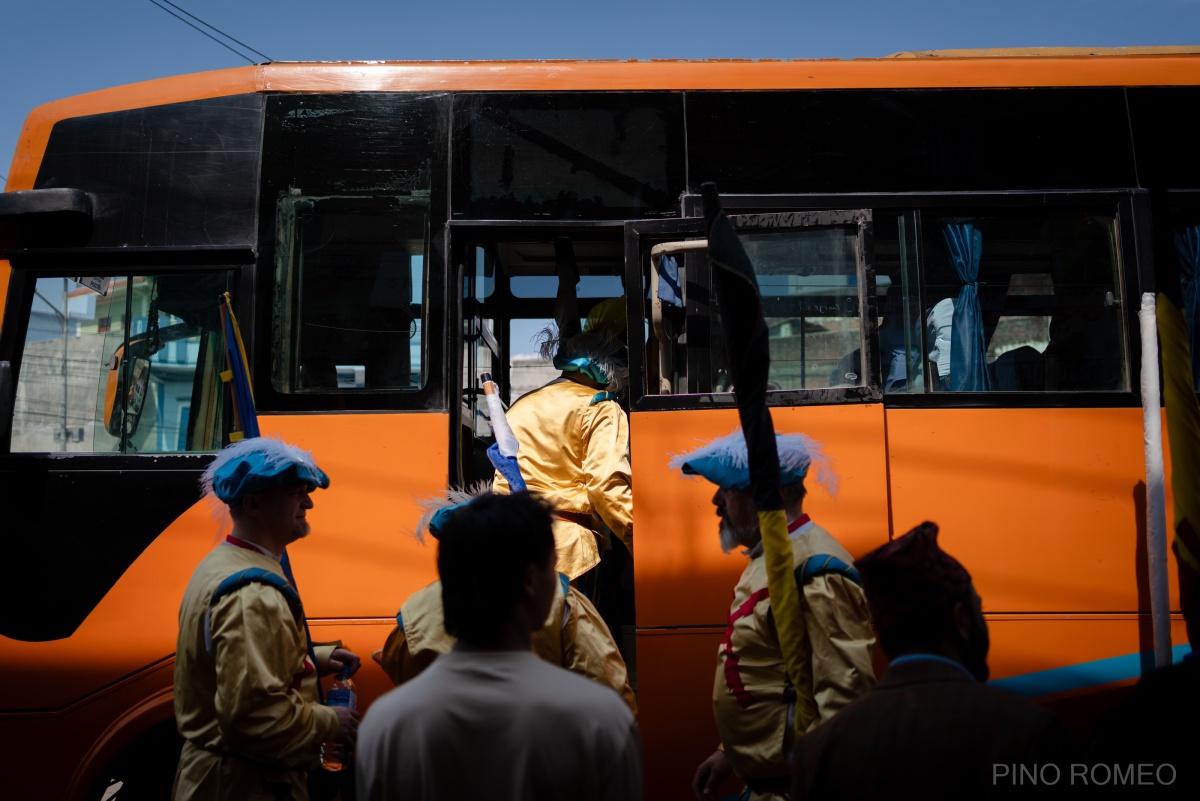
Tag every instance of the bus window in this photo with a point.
(349, 293)
(125, 364)
(1049, 312)
(809, 284)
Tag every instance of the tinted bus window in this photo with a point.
(126, 364)
(909, 140)
(599, 156)
(349, 293)
(1049, 302)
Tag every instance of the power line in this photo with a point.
(218, 30)
(211, 27)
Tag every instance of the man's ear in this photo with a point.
(529, 581)
(961, 619)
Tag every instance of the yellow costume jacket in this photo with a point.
(575, 637)
(751, 693)
(247, 704)
(575, 453)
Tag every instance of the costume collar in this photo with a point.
(911, 658)
(797, 528)
(250, 546)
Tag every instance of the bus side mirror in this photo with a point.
(123, 406)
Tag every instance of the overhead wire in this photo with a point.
(159, 4)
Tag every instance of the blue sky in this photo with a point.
(58, 48)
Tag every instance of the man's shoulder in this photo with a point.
(816, 541)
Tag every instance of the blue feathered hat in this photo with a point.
(258, 463)
(724, 461)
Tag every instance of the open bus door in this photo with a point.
(819, 299)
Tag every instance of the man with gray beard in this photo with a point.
(753, 701)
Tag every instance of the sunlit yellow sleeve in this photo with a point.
(842, 643)
(606, 468)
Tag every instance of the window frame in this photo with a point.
(30, 266)
(641, 235)
(1132, 230)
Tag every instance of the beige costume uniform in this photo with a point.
(576, 455)
(574, 637)
(247, 708)
(750, 691)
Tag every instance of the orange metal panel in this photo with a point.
(1045, 507)
(675, 679)
(1024, 644)
(682, 577)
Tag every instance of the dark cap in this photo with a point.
(911, 576)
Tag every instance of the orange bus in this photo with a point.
(386, 232)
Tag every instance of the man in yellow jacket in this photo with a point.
(246, 675)
(753, 701)
(574, 441)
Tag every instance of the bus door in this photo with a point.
(820, 294)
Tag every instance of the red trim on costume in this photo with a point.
(232, 540)
(733, 677)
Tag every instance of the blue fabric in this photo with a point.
(968, 351)
(400, 621)
(242, 397)
(1187, 244)
(669, 290)
(565, 581)
(257, 575)
(441, 515)
(819, 565)
(257, 471)
(507, 467)
(584, 366)
(730, 472)
(602, 396)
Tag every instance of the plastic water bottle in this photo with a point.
(334, 755)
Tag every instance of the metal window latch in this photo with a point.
(1109, 300)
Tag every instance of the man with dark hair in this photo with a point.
(932, 728)
(490, 719)
(573, 636)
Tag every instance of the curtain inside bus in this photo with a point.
(968, 351)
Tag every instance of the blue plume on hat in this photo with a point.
(725, 462)
(258, 463)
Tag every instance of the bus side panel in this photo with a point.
(1080, 666)
(358, 564)
(1045, 507)
(684, 581)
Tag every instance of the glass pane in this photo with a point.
(527, 369)
(132, 370)
(350, 294)
(567, 155)
(898, 299)
(809, 284)
(1049, 294)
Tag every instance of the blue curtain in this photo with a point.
(1187, 244)
(968, 351)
